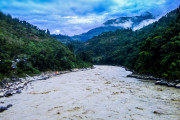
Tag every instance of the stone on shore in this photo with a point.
(10, 105)
(8, 93)
(142, 77)
(171, 84)
(161, 82)
(178, 85)
(18, 91)
(2, 109)
(1, 94)
(177, 81)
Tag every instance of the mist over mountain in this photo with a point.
(134, 23)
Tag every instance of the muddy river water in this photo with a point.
(103, 93)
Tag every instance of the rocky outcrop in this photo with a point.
(16, 87)
(2, 108)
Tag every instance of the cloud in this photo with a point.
(78, 16)
(56, 32)
(76, 20)
(127, 24)
(145, 23)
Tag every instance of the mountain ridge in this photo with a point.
(115, 24)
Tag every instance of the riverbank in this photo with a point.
(103, 93)
(16, 87)
(159, 81)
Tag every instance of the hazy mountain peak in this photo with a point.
(146, 14)
(133, 20)
(134, 23)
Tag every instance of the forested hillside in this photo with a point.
(62, 38)
(25, 49)
(153, 49)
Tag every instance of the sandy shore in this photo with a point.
(103, 93)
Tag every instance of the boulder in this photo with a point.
(171, 84)
(15, 79)
(88, 68)
(158, 82)
(3, 108)
(8, 93)
(161, 82)
(10, 105)
(74, 70)
(177, 81)
(93, 67)
(178, 85)
(164, 83)
(18, 91)
(1, 94)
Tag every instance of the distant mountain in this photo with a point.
(129, 22)
(134, 23)
(73, 45)
(62, 38)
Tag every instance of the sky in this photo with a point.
(73, 17)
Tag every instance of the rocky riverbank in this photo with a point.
(16, 87)
(12, 88)
(159, 81)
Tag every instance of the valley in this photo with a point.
(89, 60)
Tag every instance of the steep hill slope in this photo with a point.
(25, 49)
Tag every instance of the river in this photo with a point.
(103, 93)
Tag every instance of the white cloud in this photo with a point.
(57, 31)
(145, 23)
(76, 20)
(91, 19)
(127, 24)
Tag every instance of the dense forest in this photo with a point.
(153, 49)
(25, 49)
